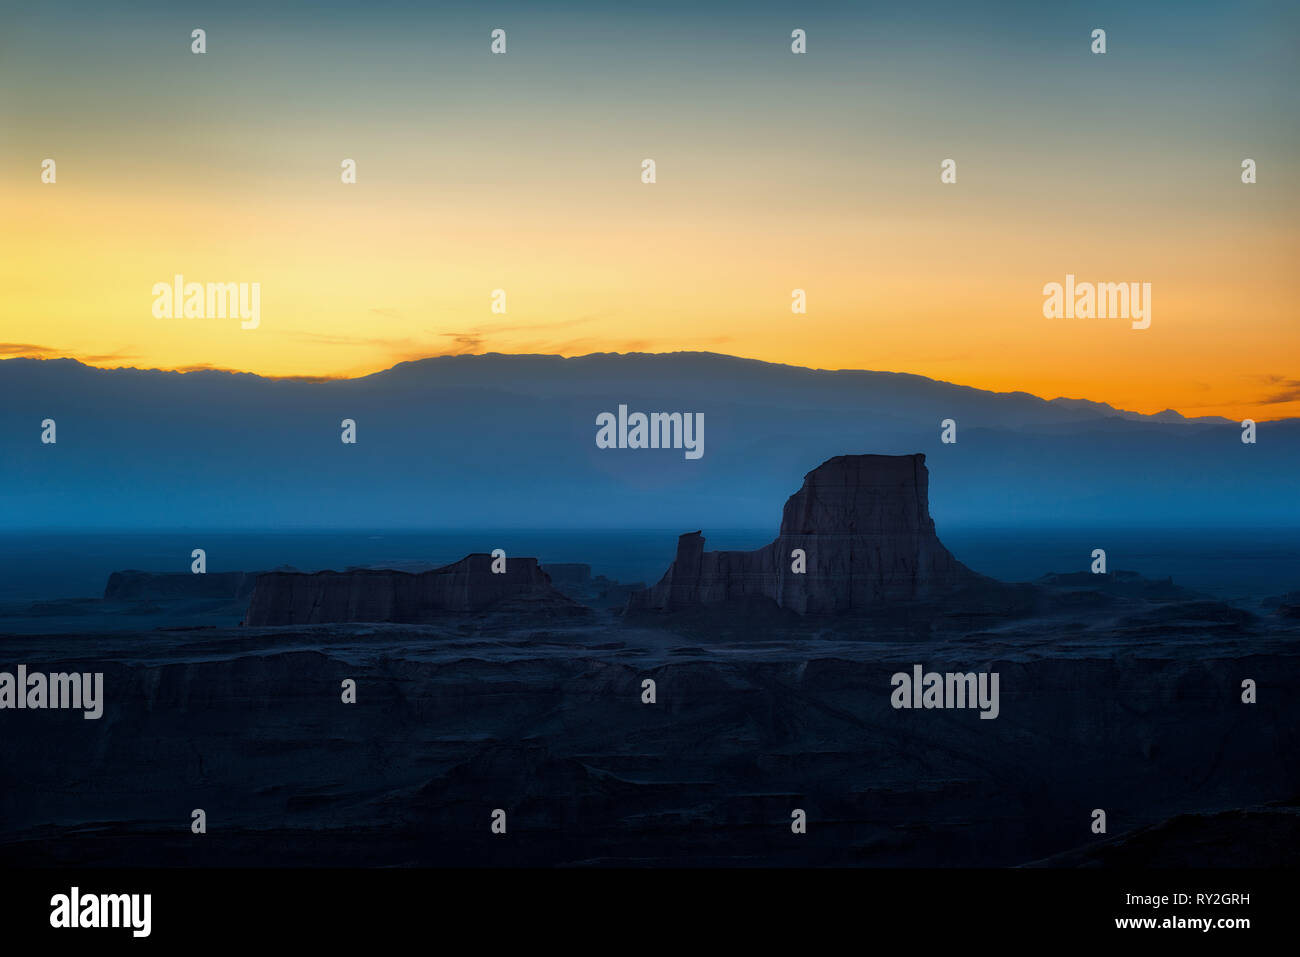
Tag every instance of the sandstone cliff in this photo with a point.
(386, 595)
(863, 522)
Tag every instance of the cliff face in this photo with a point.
(593, 776)
(863, 523)
(385, 595)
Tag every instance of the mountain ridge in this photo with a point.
(1101, 408)
(500, 441)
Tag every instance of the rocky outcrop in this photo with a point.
(863, 524)
(386, 595)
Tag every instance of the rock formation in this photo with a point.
(385, 595)
(863, 523)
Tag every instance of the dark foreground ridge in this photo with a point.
(863, 525)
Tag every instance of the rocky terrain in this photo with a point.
(857, 537)
(1134, 707)
(387, 595)
(679, 725)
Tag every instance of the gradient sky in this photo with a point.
(775, 171)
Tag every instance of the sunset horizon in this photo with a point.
(398, 189)
(1260, 412)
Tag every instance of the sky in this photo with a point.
(774, 172)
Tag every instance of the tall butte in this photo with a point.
(863, 523)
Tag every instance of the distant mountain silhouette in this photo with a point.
(509, 441)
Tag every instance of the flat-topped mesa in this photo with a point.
(863, 523)
(386, 595)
